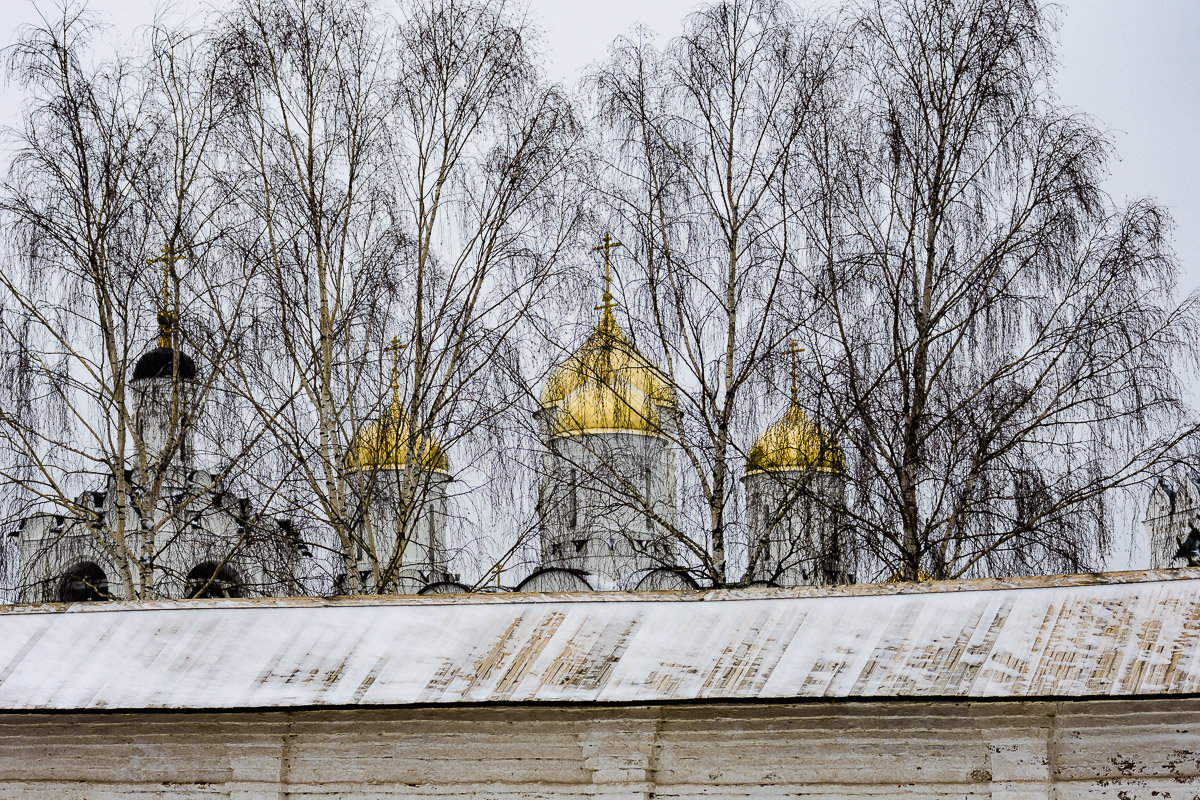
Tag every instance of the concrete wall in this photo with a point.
(1127, 749)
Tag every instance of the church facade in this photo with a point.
(190, 536)
(608, 417)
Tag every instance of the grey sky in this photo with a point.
(1131, 64)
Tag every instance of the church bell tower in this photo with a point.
(162, 385)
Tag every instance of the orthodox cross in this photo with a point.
(607, 247)
(794, 351)
(166, 316)
(394, 348)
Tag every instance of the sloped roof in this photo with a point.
(1117, 635)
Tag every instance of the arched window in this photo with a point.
(83, 583)
(211, 579)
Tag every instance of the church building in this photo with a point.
(164, 522)
(608, 418)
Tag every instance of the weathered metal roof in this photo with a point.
(1123, 634)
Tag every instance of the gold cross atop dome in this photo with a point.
(394, 348)
(607, 247)
(390, 441)
(166, 315)
(794, 351)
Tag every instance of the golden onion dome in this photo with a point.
(383, 444)
(601, 407)
(609, 357)
(794, 442)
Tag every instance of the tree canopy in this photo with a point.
(388, 209)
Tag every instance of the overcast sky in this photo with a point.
(1131, 64)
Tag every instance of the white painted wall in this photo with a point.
(941, 749)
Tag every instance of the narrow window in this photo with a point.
(647, 497)
(573, 502)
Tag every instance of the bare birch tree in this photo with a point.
(705, 136)
(999, 342)
(488, 157)
(410, 179)
(106, 173)
(365, 218)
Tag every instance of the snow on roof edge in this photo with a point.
(1132, 634)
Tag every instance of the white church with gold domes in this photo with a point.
(608, 494)
(608, 418)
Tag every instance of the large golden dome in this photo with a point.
(383, 444)
(794, 442)
(608, 357)
(603, 407)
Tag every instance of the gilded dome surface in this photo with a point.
(794, 442)
(383, 444)
(609, 357)
(601, 406)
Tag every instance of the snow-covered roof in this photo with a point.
(1121, 634)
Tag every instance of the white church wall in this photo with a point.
(416, 540)
(1171, 512)
(794, 527)
(1068, 687)
(197, 525)
(597, 490)
(1132, 749)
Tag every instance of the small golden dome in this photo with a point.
(607, 356)
(383, 444)
(794, 442)
(897, 577)
(600, 407)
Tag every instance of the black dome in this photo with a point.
(160, 363)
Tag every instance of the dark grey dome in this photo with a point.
(160, 363)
